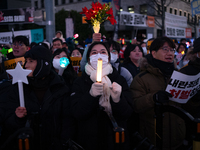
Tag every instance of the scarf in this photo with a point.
(104, 100)
(166, 68)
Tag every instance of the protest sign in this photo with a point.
(11, 64)
(183, 87)
(76, 64)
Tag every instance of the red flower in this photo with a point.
(110, 12)
(112, 20)
(99, 12)
(85, 10)
(97, 6)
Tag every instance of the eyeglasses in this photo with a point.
(167, 49)
(19, 44)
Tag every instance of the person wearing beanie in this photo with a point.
(20, 46)
(92, 102)
(115, 61)
(148, 88)
(193, 68)
(46, 103)
(132, 54)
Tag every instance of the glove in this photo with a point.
(161, 96)
(115, 92)
(96, 89)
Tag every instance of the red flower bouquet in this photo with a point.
(98, 14)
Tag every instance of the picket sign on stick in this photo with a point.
(19, 75)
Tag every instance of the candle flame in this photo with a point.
(99, 70)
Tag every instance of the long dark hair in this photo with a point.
(69, 75)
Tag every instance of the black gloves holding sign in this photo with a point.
(161, 96)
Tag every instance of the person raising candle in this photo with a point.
(91, 101)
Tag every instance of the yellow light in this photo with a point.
(183, 52)
(99, 70)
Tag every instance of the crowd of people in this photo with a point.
(63, 109)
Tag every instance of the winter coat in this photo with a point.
(5, 87)
(193, 105)
(123, 72)
(149, 81)
(49, 120)
(132, 68)
(94, 130)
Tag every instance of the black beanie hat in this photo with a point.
(196, 45)
(43, 57)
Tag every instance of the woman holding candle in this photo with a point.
(46, 103)
(92, 102)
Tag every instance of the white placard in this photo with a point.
(132, 19)
(175, 32)
(183, 87)
(175, 20)
(6, 37)
(69, 27)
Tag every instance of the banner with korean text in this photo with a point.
(133, 19)
(20, 15)
(183, 87)
(175, 32)
(175, 20)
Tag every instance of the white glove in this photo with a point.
(115, 92)
(96, 89)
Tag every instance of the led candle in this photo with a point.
(99, 70)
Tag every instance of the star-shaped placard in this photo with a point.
(19, 74)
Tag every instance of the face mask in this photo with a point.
(185, 62)
(56, 64)
(94, 60)
(114, 57)
(144, 50)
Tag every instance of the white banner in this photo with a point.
(175, 20)
(175, 32)
(183, 87)
(69, 27)
(6, 37)
(132, 19)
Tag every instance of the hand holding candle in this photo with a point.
(99, 70)
(19, 75)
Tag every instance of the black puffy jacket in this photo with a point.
(49, 120)
(94, 129)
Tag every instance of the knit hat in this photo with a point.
(196, 45)
(43, 57)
